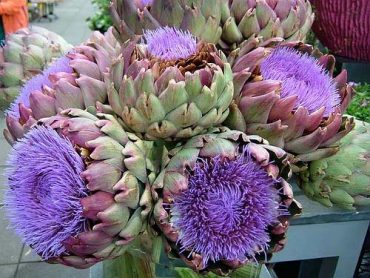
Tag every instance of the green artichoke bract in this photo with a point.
(27, 53)
(343, 179)
(230, 24)
(170, 87)
(221, 200)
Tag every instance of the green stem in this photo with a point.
(129, 266)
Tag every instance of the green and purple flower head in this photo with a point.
(37, 83)
(301, 75)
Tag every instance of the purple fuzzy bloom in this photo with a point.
(302, 76)
(169, 43)
(143, 3)
(224, 213)
(45, 188)
(36, 83)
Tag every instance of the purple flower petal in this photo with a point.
(302, 76)
(224, 213)
(169, 43)
(45, 188)
(36, 83)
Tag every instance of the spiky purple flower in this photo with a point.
(169, 43)
(37, 82)
(224, 213)
(45, 188)
(304, 77)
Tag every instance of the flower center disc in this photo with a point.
(224, 213)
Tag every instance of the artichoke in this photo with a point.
(78, 188)
(226, 23)
(27, 53)
(343, 179)
(288, 96)
(74, 81)
(170, 87)
(221, 200)
(246, 20)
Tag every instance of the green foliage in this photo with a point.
(360, 105)
(101, 20)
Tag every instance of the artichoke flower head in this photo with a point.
(289, 96)
(170, 86)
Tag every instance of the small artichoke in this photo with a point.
(288, 95)
(170, 87)
(344, 179)
(27, 53)
(221, 200)
(78, 188)
(226, 23)
(74, 81)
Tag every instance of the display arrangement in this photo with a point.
(171, 139)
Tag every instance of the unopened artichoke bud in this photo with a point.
(262, 20)
(230, 24)
(343, 179)
(291, 99)
(201, 17)
(73, 81)
(27, 53)
(170, 87)
(78, 192)
(222, 200)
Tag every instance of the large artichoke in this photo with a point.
(343, 179)
(78, 192)
(291, 99)
(221, 200)
(75, 81)
(170, 87)
(223, 22)
(27, 53)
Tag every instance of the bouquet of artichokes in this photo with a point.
(176, 130)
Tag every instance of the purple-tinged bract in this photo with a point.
(45, 188)
(37, 83)
(303, 76)
(169, 43)
(225, 212)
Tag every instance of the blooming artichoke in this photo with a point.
(221, 200)
(227, 23)
(73, 81)
(343, 179)
(27, 53)
(78, 190)
(291, 99)
(170, 87)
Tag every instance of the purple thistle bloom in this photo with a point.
(224, 213)
(36, 83)
(45, 188)
(302, 76)
(169, 43)
(143, 3)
